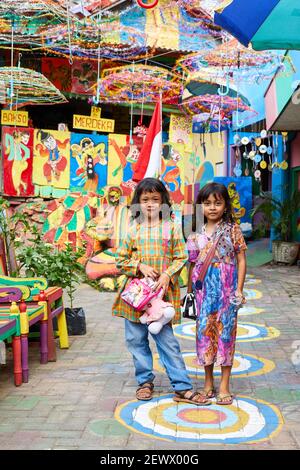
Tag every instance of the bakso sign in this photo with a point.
(93, 122)
(14, 118)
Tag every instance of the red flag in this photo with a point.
(149, 159)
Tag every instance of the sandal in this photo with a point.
(210, 393)
(221, 397)
(145, 391)
(193, 398)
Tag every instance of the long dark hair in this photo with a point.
(219, 191)
(149, 185)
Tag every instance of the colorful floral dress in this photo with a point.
(217, 316)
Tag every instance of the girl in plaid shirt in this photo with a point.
(142, 253)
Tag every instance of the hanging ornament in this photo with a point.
(257, 175)
(257, 158)
(238, 166)
(263, 148)
(236, 139)
(284, 165)
(263, 164)
(263, 134)
(245, 140)
(284, 136)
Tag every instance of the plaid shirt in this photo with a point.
(161, 247)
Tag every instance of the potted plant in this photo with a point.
(279, 215)
(60, 268)
(10, 226)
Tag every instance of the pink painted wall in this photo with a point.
(271, 105)
(295, 152)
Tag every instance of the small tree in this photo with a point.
(10, 226)
(60, 268)
(278, 214)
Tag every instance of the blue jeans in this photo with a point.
(137, 341)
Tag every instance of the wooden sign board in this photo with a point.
(93, 122)
(14, 118)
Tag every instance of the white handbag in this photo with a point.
(189, 307)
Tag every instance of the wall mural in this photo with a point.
(88, 162)
(240, 192)
(51, 158)
(17, 151)
(89, 180)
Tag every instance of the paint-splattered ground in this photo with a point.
(85, 400)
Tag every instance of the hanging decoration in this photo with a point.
(203, 103)
(29, 87)
(116, 42)
(87, 8)
(232, 61)
(169, 26)
(30, 20)
(127, 83)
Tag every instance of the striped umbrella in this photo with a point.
(271, 24)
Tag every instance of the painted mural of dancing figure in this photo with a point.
(91, 173)
(56, 162)
(16, 147)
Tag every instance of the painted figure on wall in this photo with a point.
(240, 192)
(128, 156)
(52, 158)
(56, 162)
(89, 167)
(238, 210)
(17, 166)
(170, 173)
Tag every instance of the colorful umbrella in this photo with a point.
(201, 87)
(272, 24)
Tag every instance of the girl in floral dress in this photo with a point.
(222, 290)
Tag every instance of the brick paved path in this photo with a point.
(71, 404)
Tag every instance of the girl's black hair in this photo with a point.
(219, 191)
(149, 185)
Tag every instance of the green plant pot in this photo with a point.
(285, 252)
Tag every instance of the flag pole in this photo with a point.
(161, 129)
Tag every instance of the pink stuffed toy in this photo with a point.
(157, 314)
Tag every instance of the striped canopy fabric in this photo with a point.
(265, 24)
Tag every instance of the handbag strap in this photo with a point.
(208, 259)
(166, 231)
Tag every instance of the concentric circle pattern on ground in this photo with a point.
(246, 332)
(245, 421)
(245, 365)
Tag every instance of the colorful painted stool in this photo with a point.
(9, 328)
(25, 317)
(36, 290)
